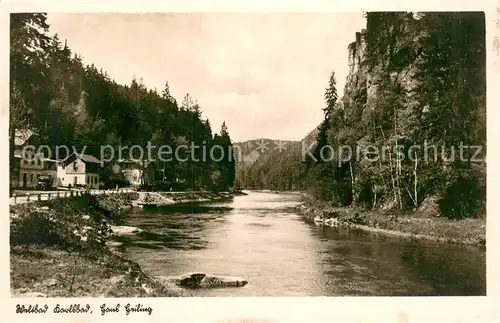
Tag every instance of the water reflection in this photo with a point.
(259, 238)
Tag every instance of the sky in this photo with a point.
(263, 74)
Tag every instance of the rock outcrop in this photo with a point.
(202, 280)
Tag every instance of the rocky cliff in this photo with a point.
(415, 80)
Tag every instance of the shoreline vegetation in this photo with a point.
(419, 224)
(165, 199)
(424, 223)
(69, 247)
(64, 248)
(402, 150)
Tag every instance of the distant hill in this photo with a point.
(249, 152)
(261, 161)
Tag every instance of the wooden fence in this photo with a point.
(44, 196)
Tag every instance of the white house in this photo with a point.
(79, 170)
(132, 170)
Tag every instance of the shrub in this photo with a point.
(38, 229)
(462, 198)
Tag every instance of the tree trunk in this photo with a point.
(393, 181)
(415, 181)
(12, 161)
(164, 170)
(353, 190)
(398, 162)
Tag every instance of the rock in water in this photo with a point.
(216, 281)
(120, 230)
(201, 280)
(332, 222)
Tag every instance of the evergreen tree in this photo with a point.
(166, 94)
(331, 95)
(421, 82)
(227, 161)
(28, 72)
(68, 103)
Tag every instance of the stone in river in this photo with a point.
(113, 243)
(124, 230)
(201, 280)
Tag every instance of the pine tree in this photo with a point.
(187, 102)
(28, 72)
(166, 94)
(227, 164)
(331, 95)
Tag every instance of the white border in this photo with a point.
(273, 309)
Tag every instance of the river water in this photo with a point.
(260, 238)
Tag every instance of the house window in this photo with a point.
(33, 161)
(37, 177)
(39, 162)
(75, 165)
(31, 178)
(95, 180)
(25, 162)
(88, 180)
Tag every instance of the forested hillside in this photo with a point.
(273, 164)
(410, 128)
(67, 103)
(253, 158)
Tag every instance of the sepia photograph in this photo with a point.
(177, 154)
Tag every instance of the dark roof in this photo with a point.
(129, 161)
(51, 160)
(86, 158)
(134, 163)
(90, 159)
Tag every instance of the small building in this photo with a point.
(132, 170)
(28, 164)
(79, 170)
(150, 172)
(50, 167)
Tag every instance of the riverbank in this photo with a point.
(177, 198)
(64, 248)
(416, 225)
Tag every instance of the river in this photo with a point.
(260, 238)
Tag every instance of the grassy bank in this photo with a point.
(191, 197)
(165, 199)
(418, 224)
(59, 249)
